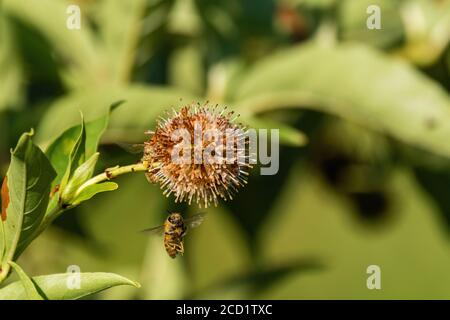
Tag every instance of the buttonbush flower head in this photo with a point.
(198, 154)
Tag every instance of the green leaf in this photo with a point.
(346, 81)
(96, 128)
(80, 175)
(59, 151)
(119, 40)
(28, 187)
(59, 286)
(288, 135)
(92, 190)
(76, 156)
(28, 285)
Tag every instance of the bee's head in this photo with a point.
(175, 218)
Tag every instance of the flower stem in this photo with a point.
(111, 173)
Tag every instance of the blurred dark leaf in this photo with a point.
(435, 182)
(346, 81)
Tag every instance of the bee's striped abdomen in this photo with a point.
(171, 243)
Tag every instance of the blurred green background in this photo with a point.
(365, 158)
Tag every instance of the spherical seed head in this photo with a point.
(198, 154)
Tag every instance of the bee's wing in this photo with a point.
(159, 230)
(194, 221)
(133, 148)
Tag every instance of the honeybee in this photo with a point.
(174, 230)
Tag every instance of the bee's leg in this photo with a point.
(172, 246)
(180, 248)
